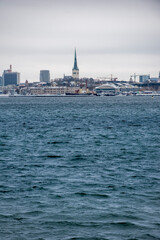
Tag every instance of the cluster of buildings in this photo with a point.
(145, 78)
(73, 85)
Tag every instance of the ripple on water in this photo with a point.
(79, 168)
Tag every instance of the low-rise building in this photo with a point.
(53, 90)
(36, 91)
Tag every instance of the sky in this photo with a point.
(118, 37)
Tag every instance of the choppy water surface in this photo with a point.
(80, 168)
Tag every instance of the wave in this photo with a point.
(58, 142)
(92, 194)
(53, 156)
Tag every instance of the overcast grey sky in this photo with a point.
(116, 37)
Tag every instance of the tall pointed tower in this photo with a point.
(75, 69)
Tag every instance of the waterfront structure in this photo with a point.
(128, 88)
(107, 89)
(45, 76)
(75, 69)
(110, 89)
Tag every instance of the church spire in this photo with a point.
(75, 61)
(75, 69)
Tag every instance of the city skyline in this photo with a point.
(111, 37)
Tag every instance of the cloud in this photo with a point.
(51, 29)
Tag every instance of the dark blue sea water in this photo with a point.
(80, 168)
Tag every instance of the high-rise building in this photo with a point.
(75, 69)
(1, 81)
(45, 76)
(10, 78)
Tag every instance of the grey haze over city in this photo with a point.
(118, 37)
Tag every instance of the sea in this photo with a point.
(80, 168)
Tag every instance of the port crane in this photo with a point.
(108, 78)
